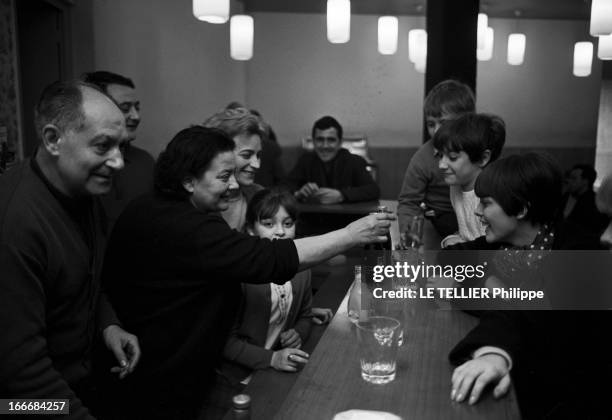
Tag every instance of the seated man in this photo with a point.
(51, 248)
(137, 176)
(578, 205)
(331, 174)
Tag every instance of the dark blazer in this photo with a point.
(346, 173)
(244, 350)
(585, 213)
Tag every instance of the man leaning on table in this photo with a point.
(331, 174)
(51, 247)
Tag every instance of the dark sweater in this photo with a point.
(561, 363)
(134, 180)
(345, 172)
(174, 273)
(50, 253)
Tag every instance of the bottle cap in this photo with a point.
(381, 209)
(241, 401)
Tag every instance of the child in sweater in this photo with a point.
(464, 146)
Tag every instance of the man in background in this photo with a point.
(578, 205)
(331, 174)
(137, 176)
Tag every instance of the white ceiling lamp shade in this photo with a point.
(516, 49)
(604, 47)
(583, 58)
(211, 11)
(481, 31)
(338, 21)
(421, 65)
(420, 51)
(241, 37)
(486, 53)
(388, 27)
(417, 45)
(601, 17)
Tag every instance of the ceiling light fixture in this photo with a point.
(241, 37)
(211, 11)
(338, 21)
(601, 17)
(604, 47)
(388, 27)
(583, 58)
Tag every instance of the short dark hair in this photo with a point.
(61, 104)
(473, 134)
(326, 122)
(531, 181)
(449, 97)
(104, 78)
(236, 121)
(586, 172)
(188, 154)
(265, 203)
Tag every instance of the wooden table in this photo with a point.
(331, 381)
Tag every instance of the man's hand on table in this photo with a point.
(328, 196)
(306, 191)
(288, 359)
(290, 338)
(124, 346)
(473, 376)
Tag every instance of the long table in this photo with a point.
(331, 381)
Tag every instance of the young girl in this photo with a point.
(464, 147)
(276, 319)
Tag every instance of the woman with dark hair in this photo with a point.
(173, 270)
(558, 360)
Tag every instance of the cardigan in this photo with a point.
(51, 249)
(173, 273)
(244, 350)
(348, 174)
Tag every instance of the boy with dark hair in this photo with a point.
(422, 180)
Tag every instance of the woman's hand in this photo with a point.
(473, 376)
(371, 228)
(288, 359)
(124, 346)
(321, 316)
(290, 338)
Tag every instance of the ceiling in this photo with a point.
(529, 9)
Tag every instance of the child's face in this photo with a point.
(458, 169)
(281, 226)
(499, 226)
(433, 123)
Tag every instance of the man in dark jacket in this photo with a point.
(578, 206)
(51, 247)
(331, 174)
(136, 178)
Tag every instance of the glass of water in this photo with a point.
(378, 340)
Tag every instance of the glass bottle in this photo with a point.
(354, 300)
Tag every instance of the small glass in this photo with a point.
(378, 338)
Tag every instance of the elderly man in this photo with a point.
(51, 247)
(137, 176)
